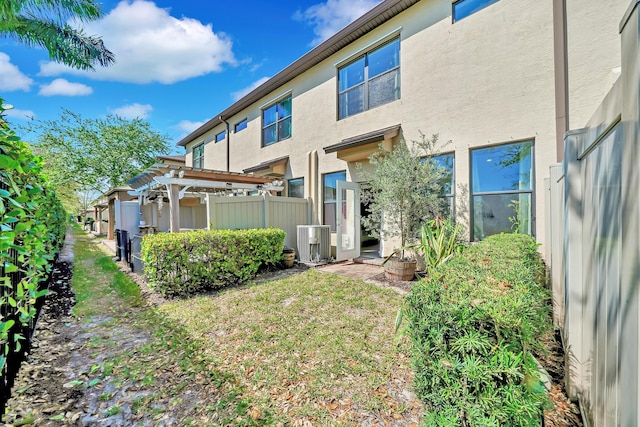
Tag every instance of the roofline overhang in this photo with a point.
(267, 165)
(364, 139)
(175, 158)
(372, 19)
(114, 190)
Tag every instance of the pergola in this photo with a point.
(176, 181)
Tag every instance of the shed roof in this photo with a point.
(364, 139)
(268, 164)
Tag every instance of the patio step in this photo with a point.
(368, 260)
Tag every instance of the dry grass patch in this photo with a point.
(308, 349)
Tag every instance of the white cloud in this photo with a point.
(150, 45)
(242, 92)
(133, 111)
(16, 113)
(65, 88)
(187, 126)
(11, 78)
(333, 15)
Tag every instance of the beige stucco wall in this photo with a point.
(487, 79)
(593, 54)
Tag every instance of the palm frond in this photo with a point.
(63, 43)
(46, 24)
(56, 10)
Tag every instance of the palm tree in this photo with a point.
(44, 23)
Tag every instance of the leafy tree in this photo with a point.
(44, 23)
(403, 190)
(93, 155)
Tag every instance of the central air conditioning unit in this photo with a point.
(314, 243)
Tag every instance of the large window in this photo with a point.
(330, 195)
(198, 156)
(369, 81)
(446, 163)
(276, 122)
(502, 189)
(464, 8)
(295, 187)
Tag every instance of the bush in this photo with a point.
(32, 229)
(179, 264)
(476, 324)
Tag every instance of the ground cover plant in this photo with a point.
(476, 325)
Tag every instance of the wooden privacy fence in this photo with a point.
(232, 213)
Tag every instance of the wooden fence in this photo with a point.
(259, 212)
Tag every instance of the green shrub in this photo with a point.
(32, 228)
(178, 264)
(475, 324)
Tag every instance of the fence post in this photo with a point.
(266, 206)
(210, 212)
(577, 327)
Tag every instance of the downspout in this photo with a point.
(228, 140)
(561, 74)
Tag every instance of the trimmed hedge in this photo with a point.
(180, 264)
(476, 325)
(32, 228)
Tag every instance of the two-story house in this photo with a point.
(501, 79)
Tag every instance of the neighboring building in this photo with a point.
(499, 78)
(171, 160)
(111, 202)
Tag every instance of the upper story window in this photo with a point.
(464, 8)
(240, 125)
(221, 136)
(276, 122)
(198, 156)
(370, 81)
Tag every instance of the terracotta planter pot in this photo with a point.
(289, 257)
(400, 270)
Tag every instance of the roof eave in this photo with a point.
(375, 17)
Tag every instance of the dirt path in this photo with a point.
(75, 375)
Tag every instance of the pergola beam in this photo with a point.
(203, 183)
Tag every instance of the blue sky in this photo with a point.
(179, 62)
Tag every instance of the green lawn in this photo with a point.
(311, 347)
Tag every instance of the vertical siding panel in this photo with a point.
(257, 212)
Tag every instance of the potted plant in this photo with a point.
(288, 256)
(402, 192)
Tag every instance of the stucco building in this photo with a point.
(503, 80)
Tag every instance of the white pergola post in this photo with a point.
(174, 207)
